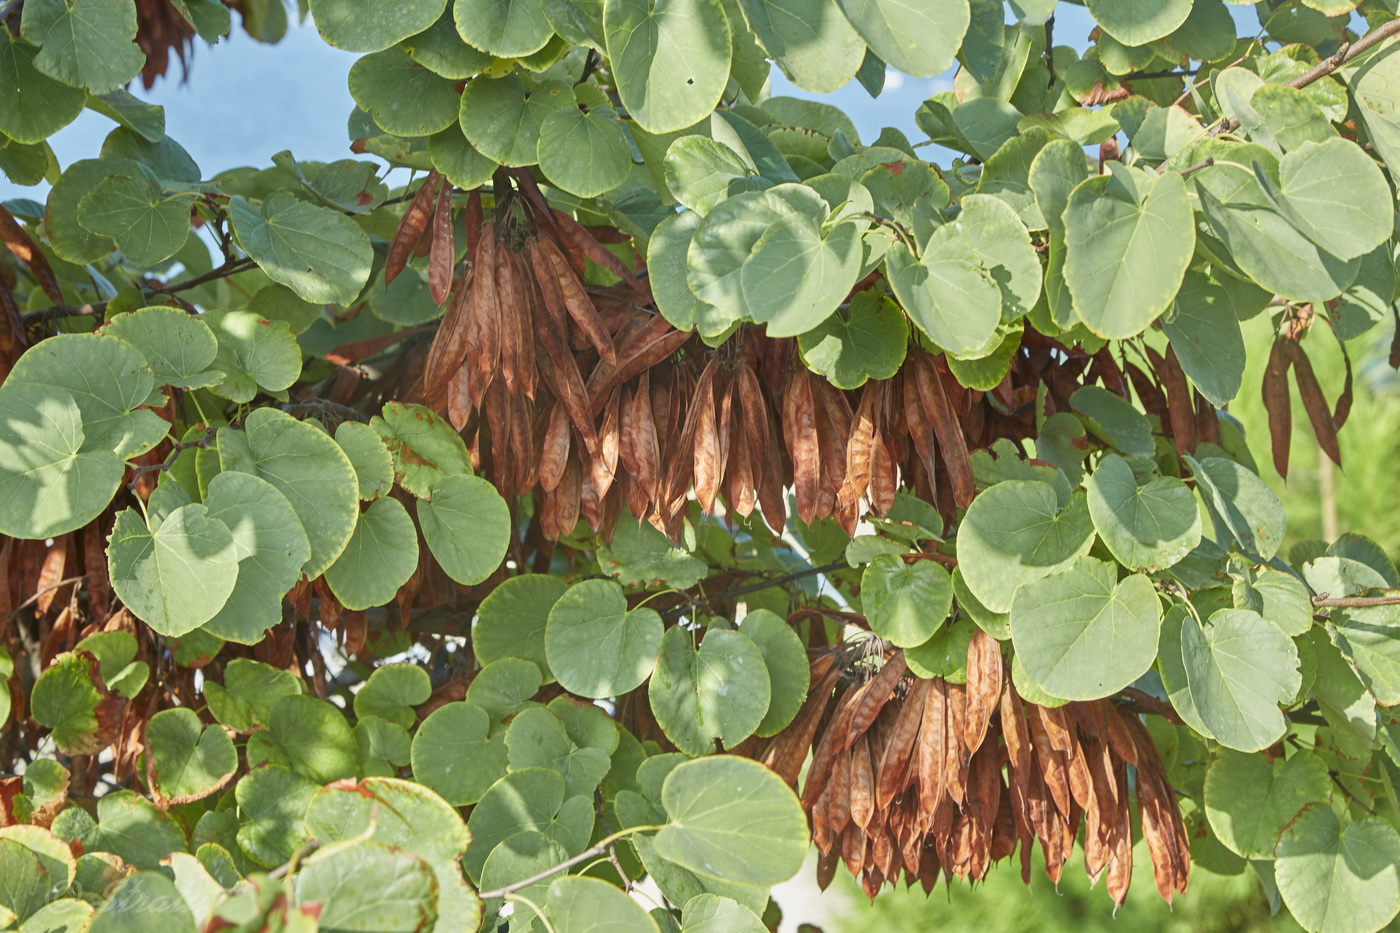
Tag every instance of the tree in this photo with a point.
(464, 551)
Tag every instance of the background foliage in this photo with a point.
(665, 479)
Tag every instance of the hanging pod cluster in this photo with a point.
(919, 777)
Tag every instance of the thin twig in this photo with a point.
(612, 847)
(748, 588)
(583, 856)
(1197, 167)
(1355, 602)
(165, 465)
(1335, 775)
(35, 598)
(231, 267)
(1322, 69)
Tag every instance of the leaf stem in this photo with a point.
(732, 592)
(231, 267)
(35, 598)
(165, 465)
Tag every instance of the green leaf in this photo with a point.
(110, 381)
(866, 342)
(177, 576)
(504, 28)
(280, 303)
(1375, 86)
(368, 27)
(670, 59)
(33, 106)
(906, 603)
(998, 238)
(945, 654)
(1339, 879)
(146, 224)
(537, 738)
(441, 50)
(710, 913)
(1114, 420)
(1287, 602)
(947, 292)
(789, 673)
(511, 619)
(666, 258)
(595, 646)
(1146, 528)
(244, 701)
(505, 686)
(640, 555)
(51, 480)
(1138, 22)
(391, 693)
(529, 800)
(918, 39)
(1368, 636)
(210, 19)
(187, 759)
(271, 547)
(130, 826)
(732, 819)
(795, 278)
(1014, 533)
(402, 899)
(308, 735)
(1337, 196)
(320, 254)
(84, 43)
(585, 154)
(424, 446)
(589, 905)
(379, 558)
(177, 346)
(407, 816)
(374, 467)
(65, 915)
(384, 746)
(147, 902)
(466, 525)
(309, 468)
(50, 872)
(1128, 241)
(254, 353)
(720, 692)
(1239, 669)
(810, 40)
(1250, 800)
(1241, 501)
(1262, 243)
(1365, 551)
(1082, 634)
(403, 97)
(451, 754)
(1205, 333)
(502, 119)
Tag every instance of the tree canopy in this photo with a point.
(612, 470)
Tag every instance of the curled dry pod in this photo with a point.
(706, 467)
(576, 301)
(412, 227)
(443, 254)
(803, 443)
(554, 454)
(863, 805)
(1180, 414)
(984, 681)
(604, 463)
(483, 321)
(895, 766)
(934, 736)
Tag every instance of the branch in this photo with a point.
(583, 856)
(231, 267)
(612, 849)
(1355, 602)
(748, 588)
(165, 465)
(1322, 69)
(35, 598)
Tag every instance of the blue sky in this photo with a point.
(245, 100)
